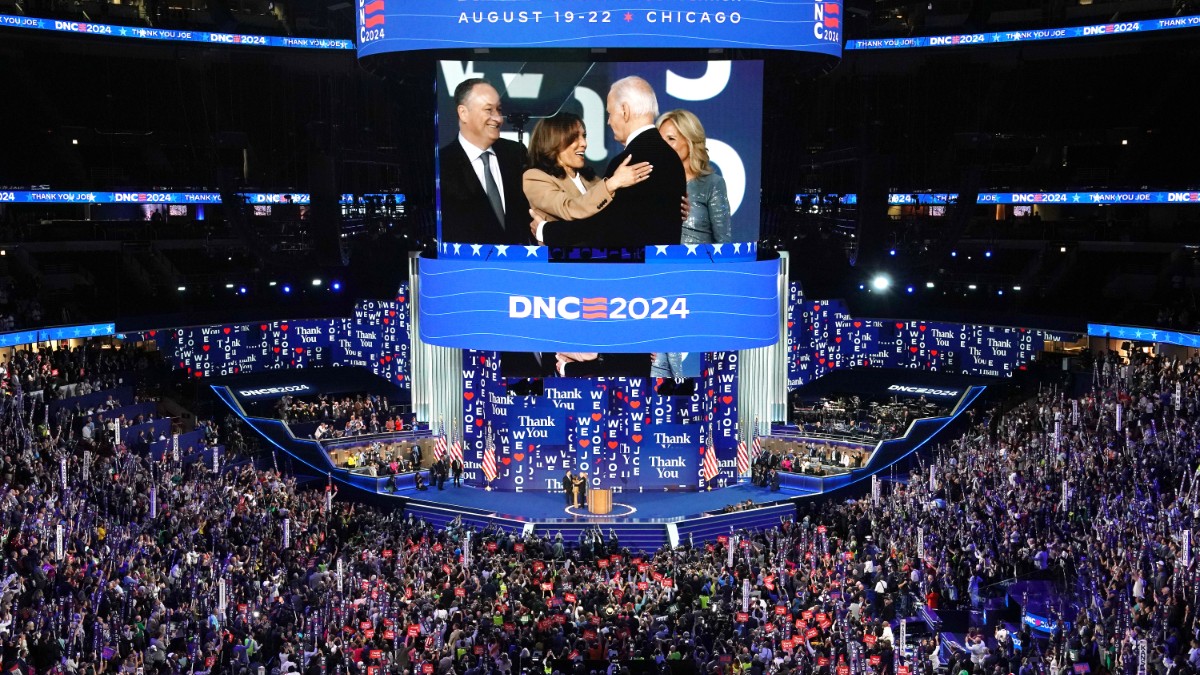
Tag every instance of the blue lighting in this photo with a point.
(953, 254)
(337, 285)
(892, 252)
(910, 289)
(862, 287)
(242, 290)
(987, 254)
(287, 289)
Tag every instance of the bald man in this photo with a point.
(643, 214)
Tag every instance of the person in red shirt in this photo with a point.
(931, 599)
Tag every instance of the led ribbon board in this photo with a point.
(622, 307)
(788, 25)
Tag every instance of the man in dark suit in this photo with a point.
(482, 206)
(643, 214)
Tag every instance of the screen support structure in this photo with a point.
(437, 381)
(762, 373)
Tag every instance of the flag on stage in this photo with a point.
(439, 448)
(755, 445)
(489, 457)
(743, 459)
(710, 459)
(456, 450)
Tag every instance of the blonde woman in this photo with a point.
(708, 221)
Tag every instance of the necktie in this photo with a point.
(489, 184)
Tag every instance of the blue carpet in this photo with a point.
(658, 506)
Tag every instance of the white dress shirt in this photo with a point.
(477, 165)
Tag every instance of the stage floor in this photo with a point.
(660, 507)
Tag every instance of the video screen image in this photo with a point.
(606, 157)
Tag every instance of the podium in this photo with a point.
(600, 501)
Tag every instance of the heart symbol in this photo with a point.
(199, 374)
(637, 438)
(858, 324)
(821, 360)
(385, 319)
(710, 392)
(237, 370)
(612, 445)
(899, 326)
(392, 312)
(837, 339)
(583, 442)
(529, 447)
(389, 358)
(1021, 329)
(647, 419)
(383, 360)
(263, 326)
(596, 416)
(635, 404)
(469, 395)
(283, 327)
(790, 323)
(182, 364)
(276, 350)
(400, 376)
(816, 308)
(726, 400)
(658, 381)
(479, 423)
(153, 333)
(506, 461)
(933, 352)
(226, 329)
(520, 456)
(401, 298)
(299, 350)
(913, 349)
(921, 328)
(205, 348)
(866, 362)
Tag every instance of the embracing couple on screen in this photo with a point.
(492, 188)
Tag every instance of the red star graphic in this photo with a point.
(628, 16)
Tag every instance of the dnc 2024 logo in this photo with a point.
(370, 21)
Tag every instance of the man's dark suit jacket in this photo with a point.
(641, 215)
(467, 216)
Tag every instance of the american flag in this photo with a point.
(439, 448)
(755, 445)
(455, 450)
(743, 459)
(489, 458)
(710, 460)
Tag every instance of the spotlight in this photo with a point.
(316, 282)
(228, 285)
(287, 289)
(862, 287)
(928, 284)
(881, 282)
(1124, 141)
(273, 284)
(953, 254)
(181, 289)
(1062, 249)
(74, 141)
(242, 290)
(1000, 291)
(337, 285)
(972, 286)
(987, 254)
(909, 289)
(1016, 288)
(892, 252)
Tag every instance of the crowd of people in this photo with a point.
(338, 417)
(171, 568)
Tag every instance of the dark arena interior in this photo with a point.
(835, 337)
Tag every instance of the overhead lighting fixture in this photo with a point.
(181, 289)
(287, 289)
(273, 284)
(228, 285)
(972, 286)
(1062, 249)
(881, 282)
(1124, 141)
(928, 284)
(316, 282)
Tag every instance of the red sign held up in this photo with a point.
(780, 610)
(460, 592)
(414, 630)
(743, 617)
(518, 547)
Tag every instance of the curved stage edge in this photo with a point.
(670, 518)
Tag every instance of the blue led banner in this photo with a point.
(1012, 37)
(1169, 337)
(142, 33)
(92, 197)
(27, 337)
(1073, 198)
(792, 25)
(599, 307)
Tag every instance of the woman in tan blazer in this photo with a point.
(560, 184)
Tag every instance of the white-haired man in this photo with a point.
(644, 214)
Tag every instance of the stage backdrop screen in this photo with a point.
(787, 25)
(724, 96)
